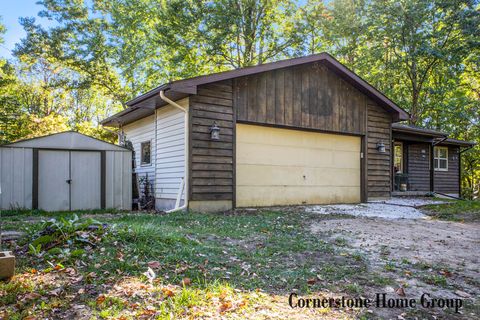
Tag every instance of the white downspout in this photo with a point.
(184, 183)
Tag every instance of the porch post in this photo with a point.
(432, 171)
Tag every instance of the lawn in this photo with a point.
(120, 265)
(176, 265)
(464, 210)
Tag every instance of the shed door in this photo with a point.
(85, 180)
(69, 180)
(53, 173)
(291, 167)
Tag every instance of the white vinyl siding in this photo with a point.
(138, 132)
(170, 151)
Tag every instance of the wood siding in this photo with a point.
(418, 169)
(309, 96)
(448, 181)
(378, 164)
(417, 164)
(211, 162)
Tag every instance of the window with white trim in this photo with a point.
(440, 159)
(145, 153)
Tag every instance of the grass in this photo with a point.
(232, 262)
(462, 210)
(189, 265)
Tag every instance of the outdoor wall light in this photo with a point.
(215, 132)
(380, 147)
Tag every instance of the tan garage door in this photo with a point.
(285, 167)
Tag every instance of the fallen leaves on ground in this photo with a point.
(400, 291)
(186, 282)
(154, 264)
(168, 291)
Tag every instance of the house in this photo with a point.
(299, 131)
(63, 172)
(414, 150)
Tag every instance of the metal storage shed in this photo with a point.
(65, 171)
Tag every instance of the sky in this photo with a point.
(10, 12)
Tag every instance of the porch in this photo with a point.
(425, 161)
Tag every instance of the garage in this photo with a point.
(63, 172)
(277, 166)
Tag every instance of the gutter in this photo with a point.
(434, 143)
(184, 182)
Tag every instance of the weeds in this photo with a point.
(468, 211)
(64, 239)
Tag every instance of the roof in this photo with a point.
(182, 88)
(459, 142)
(418, 131)
(67, 140)
(399, 127)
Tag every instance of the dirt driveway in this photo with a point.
(423, 255)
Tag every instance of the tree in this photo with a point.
(420, 36)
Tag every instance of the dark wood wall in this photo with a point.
(378, 164)
(307, 96)
(211, 162)
(418, 166)
(448, 181)
(418, 169)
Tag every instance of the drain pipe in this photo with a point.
(184, 183)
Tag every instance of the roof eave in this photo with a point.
(148, 94)
(461, 143)
(189, 86)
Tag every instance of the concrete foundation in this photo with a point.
(165, 204)
(210, 206)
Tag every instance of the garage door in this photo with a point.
(287, 167)
(69, 180)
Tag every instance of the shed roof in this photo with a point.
(181, 88)
(68, 140)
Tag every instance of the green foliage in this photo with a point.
(65, 238)
(423, 54)
(455, 211)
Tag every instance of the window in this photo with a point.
(440, 160)
(145, 153)
(398, 157)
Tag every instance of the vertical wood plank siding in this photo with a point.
(308, 96)
(378, 164)
(448, 181)
(211, 162)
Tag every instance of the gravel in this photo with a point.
(394, 208)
